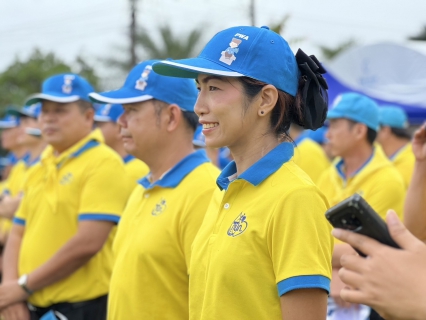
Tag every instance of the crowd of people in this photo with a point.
(198, 190)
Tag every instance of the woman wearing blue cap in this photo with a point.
(264, 248)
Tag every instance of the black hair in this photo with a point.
(401, 133)
(287, 110)
(84, 105)
(190, 118)
(371, 134)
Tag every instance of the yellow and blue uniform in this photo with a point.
(404, 160)
(153, 244)
(311, 158)
(264, 234)
(59, 192)
(377, 181)
(135, 168)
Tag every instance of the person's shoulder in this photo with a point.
(205, 173)
(101, 153)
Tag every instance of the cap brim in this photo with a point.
(191, 68)
(120, 96)
(33, 132)
(20, 113)
(39, 97)
(8, 124)
(102, 119)
(198, 143)
(334, 115)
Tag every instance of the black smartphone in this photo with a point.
(356, 215)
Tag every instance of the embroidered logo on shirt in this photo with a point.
(159, 207)
(239, 225)
(66, 179)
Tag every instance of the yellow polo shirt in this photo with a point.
(135, 168)
(153, 243)
(311, 158)
(15, 180)
(264, 234)
(404, 160)
(377, 181)
(59, 192)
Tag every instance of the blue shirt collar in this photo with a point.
(128, 158)
(173, 177)
(259, 171)
(89, 145)
(341, 163)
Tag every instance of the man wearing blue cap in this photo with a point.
(58, 256)
(395, 138)
(153, 243)
(308, 155)
(106, 119)
(34, 145)
(361, 168)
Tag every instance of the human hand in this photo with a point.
(11, 293)
(419, 143)
(17, 311)
(391, 281)
(336, 286)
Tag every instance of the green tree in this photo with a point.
(170, 45)
(421, 36)
(23, 78)
(280, 26)
(331, 53)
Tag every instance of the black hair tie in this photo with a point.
(314, 90)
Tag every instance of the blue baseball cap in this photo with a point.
(63, 88)
(241, 52)
(393, 116)
(109, 113)
(142, 85)
(9, 121)
(356, 107)
(32, 111)
(199, 138)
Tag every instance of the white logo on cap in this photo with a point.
(337, 100)
(67, 86)
(142, 82)
(106, 109)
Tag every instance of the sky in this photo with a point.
(97, 29)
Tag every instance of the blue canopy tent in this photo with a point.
(388, 73)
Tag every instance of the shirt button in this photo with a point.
(146, 195)
(226, 206)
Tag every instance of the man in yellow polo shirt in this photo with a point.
(394, 138)
(34, 145)
(153, 244)
(308, 155)
(58, 256)
(106, 117)
(360, 168)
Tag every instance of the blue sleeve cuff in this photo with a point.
(99, 217)
(19, 221)
(303, 282)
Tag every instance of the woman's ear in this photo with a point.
(268, 99)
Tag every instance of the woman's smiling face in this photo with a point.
(224, 111)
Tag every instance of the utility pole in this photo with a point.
(132, 33)
(252, 13)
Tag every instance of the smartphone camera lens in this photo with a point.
(351, 223)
